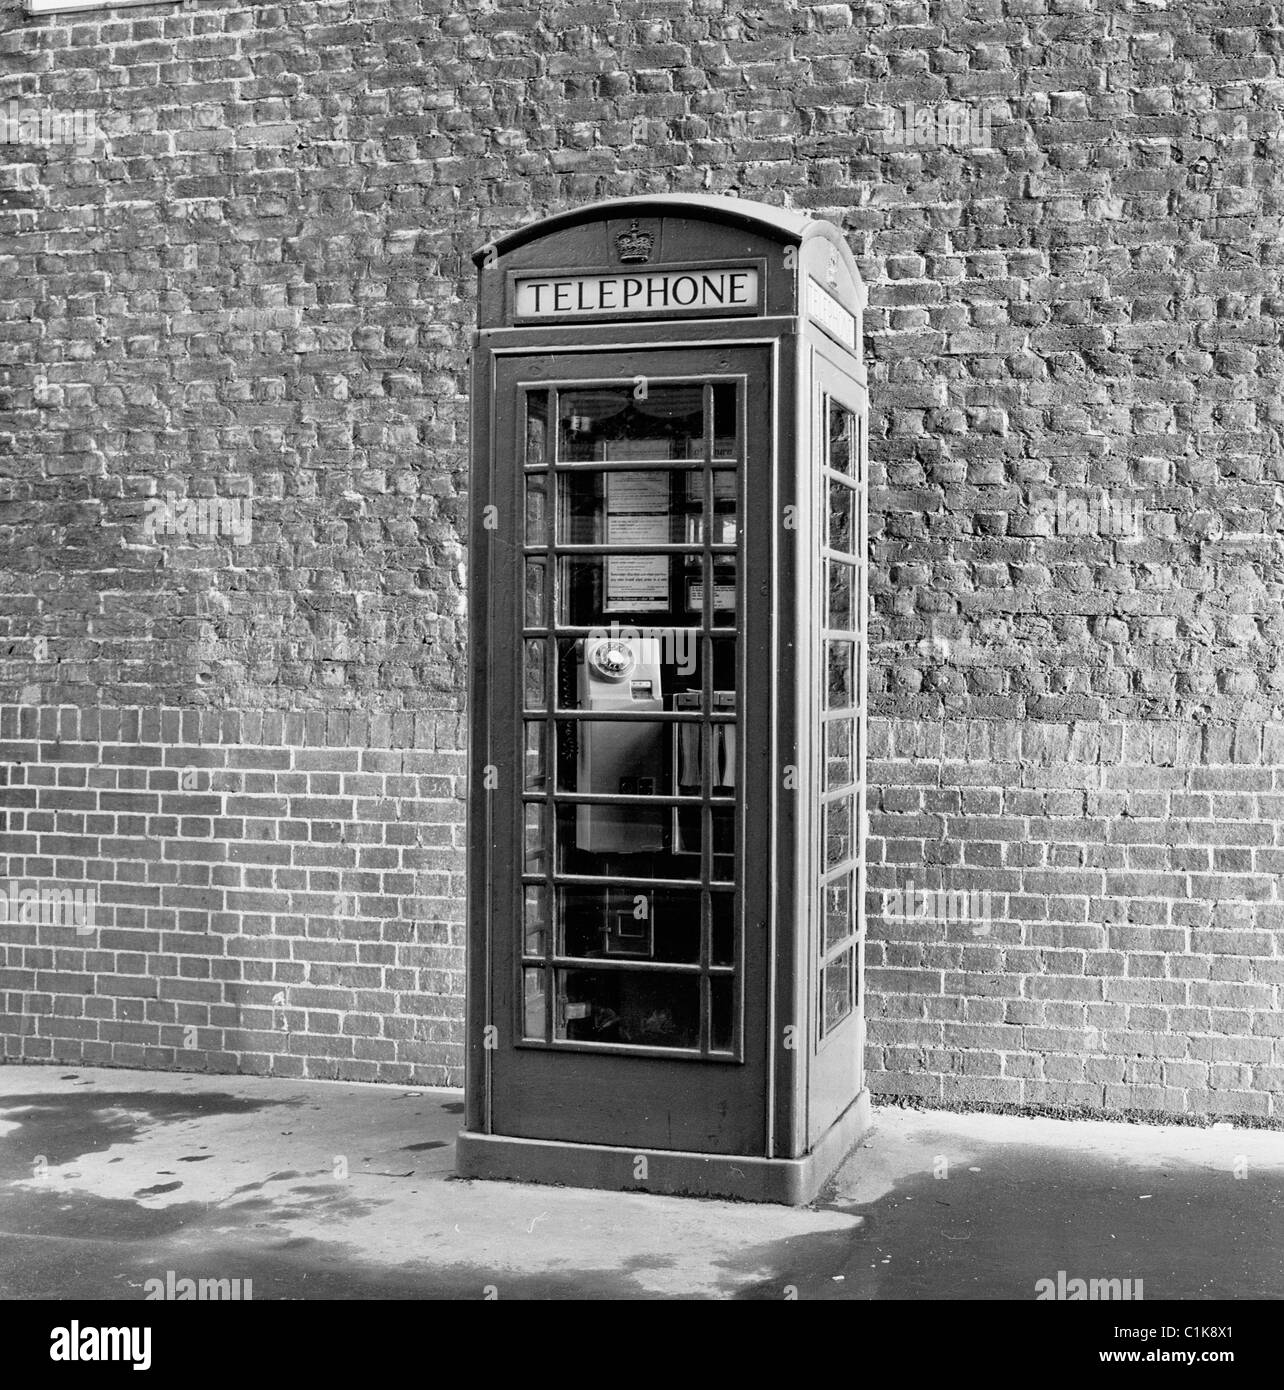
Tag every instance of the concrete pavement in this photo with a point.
(109, 1178)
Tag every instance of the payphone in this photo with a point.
(667, 689)
(618, 673)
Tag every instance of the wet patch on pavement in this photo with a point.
(64, 1125)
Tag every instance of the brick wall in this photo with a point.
(270, 893)
(258, 290)
(1128, 958)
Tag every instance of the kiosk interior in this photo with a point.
(667, 622)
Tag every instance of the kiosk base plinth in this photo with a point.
(676, 1173)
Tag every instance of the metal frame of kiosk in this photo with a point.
(667, 699)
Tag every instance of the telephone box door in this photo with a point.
(631, 633)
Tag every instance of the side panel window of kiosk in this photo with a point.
(841, 684)
(630, 722)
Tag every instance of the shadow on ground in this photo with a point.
(109, 1179)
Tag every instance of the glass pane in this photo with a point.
(633, 841)
(537, 509)
(536, 755)
(535, 574)
(536, 428)
(836, 991)
(724, 591)
(640, 1008)
(536, 923)
(726, 426)
(837, 898)
(687, 833)
(616, 757)
(724, 843)
(841, 510)
(722, 946)
(723, 651)
(841, 587)
(631, 508)
(633, 923)
(535, 680)
(616, 668)
(534, 1011)
(610, 423)
(862, 534)
(838, 832)
(633, 589)
(840, 438)
(535, 841)
(724, 508)
(839, 763)
(722, 995)
(840, 671)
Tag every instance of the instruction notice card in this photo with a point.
(637, 513)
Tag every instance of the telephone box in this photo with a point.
(667, 702)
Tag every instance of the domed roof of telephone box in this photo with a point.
(783, 224)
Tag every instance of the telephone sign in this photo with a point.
(828, 312)
(670, 292)
(665, 953)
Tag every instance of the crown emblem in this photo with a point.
(634, 245)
